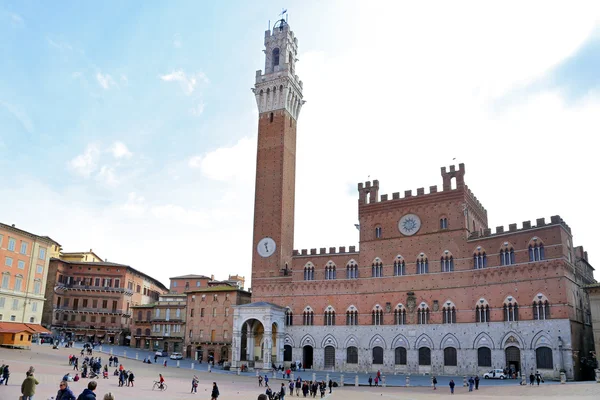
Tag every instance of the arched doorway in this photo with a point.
(513, 358)
(287, 353)
(307, 356)
(329, 357)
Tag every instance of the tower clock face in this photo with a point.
(409, 224)
(266, 247)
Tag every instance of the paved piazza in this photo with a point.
(51, 365)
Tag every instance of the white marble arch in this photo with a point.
(289, 340)
(541, 339)
(424, 341)
(450, 341)
(400, 341)
(308, 340)
(484, 340)
(329, 340)
(377, 341)
(351, 341)
(512, 338)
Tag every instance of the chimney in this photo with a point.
(212, 277)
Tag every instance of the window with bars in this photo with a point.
(352, 355)
(308, 319)
(329, 318)
(450, 357)
(400, 316)
(536, 252)
(444, 223)
(423, 315)
(447, 263)
(309, 273)
(541, 310)
(449, 315)
(479, 260)
(422, 265)
(377, 270)
(352, 317)
(352, 271)
(377, 317)
(543, 358)
(330, 272)
(507, 256)
(482, 313)
(511, 312)
(377, 355)
(484, 357)
(424, 356)
(399, 267)
(400, 356)
(378, 232)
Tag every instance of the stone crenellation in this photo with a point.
(526, 225)
(323, 251)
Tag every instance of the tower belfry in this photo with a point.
(278, 94)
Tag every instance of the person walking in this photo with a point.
(215, 392)
(282, 391)
(298, 386)
(434, 382)
(330, 385)
(155, 358)
(471, 383)
(531, 378)
(452, 384)
(476, 382)
(370, 381)
(260, 380)
(88, 394)
(64, 392)
(195, 381)
(131, 377)
(291, 386)
(538, 377)
(165, 364)
(5, 375)
(28, 386)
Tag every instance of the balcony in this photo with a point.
(87, 310)
(85, 326)
(63, 287)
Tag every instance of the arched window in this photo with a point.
(352, 270)
(422, 264)
(377, 316)
(329, 317)
(484, 357)
(138, 331)
(309, 272)
(543, 358)
(352, 316)
(330, 271)
(507, 254)
(400, 315)
(424, 356)
(352, 355)
(289, 317)
(308, 317)
(447, 262)
(148, 315)
(378, 232)
(400, 356)
(511, 310)
(147, 332)
(541, 307)
(479, 258)
(449, 313)
(423, 314)
(450, 357)
(536, 250)
(443, 223)
(482, 311)
(377, 268)
(377, 355)
(399, 266)
(275, 56)
(139, 315)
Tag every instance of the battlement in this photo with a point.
(526, 225)
(323, 251)
(474, 199)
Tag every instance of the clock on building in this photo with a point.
(409, 224)
(266, 247)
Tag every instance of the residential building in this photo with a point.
(91, 301)
(432, 290)
(24, 260)
(19, 335)
(184, 283)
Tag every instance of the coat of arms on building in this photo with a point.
(411, 302)
(436, 305)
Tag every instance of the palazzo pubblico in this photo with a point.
(432, 290)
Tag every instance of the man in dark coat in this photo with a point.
(88, 394)
(65, 393)
(215, 392)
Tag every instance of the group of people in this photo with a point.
(298, 386)
(535, 378)
(113, 360)
(4, 374)
(65, 392)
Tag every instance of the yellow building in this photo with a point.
(18, 335)
(24, 259)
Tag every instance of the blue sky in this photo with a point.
(130, 126)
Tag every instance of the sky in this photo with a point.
(129, 127)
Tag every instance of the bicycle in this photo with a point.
(158, 386)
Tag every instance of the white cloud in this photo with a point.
(120, 150)
(188, 82)
(227, 163)
(135, 205)
(105, 80)
(20, 115)
(87, 162)
(198, 109)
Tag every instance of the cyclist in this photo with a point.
(161, 380)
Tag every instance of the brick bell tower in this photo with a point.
(279, 98)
